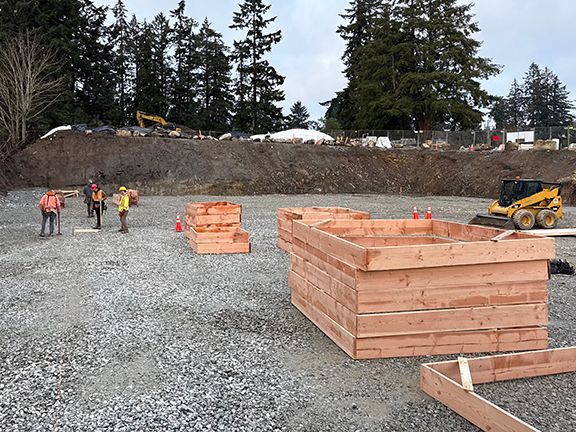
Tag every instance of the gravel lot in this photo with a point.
(105, 332)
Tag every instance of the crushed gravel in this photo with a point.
(111, 332)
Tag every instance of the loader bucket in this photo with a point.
(493, 221)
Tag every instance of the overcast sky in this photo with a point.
(514, 34)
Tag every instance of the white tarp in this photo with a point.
(56, 129)
(520, 137)
(295, 134)
(384, 142)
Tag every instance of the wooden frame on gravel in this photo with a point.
(395, 288)
(443, 382)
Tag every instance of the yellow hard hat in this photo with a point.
(122, 188)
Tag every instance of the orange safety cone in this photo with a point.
(429, 213)
(415, 212)
(178, 223)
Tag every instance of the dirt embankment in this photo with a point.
(169, 166)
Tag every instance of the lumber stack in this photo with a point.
(214, 228)
(394, 288)
(134, 197)
(286, 216)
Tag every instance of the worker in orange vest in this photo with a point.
(50, 207)
(98, 204)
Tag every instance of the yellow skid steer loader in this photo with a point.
(522, 204)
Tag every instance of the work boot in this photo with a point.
(42, 235)
(97, 227)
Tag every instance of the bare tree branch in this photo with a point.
(28, 86)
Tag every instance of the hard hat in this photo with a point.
(50, 193)
(93, 187)
(122, 188)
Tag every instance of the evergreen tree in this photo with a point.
(186, 62)
(559, 102)
(357, 32)
(153, 68)
(94, 84)
(377, 98)
(515, 107)
(257, 82)
(534, 92)
(299, 118)
(214, 80)
(441, 84)
(122, 64)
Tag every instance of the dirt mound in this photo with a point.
(170, 166)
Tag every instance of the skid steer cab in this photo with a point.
(524, 204)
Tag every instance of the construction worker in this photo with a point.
(50, 207)
(123, 207)
(98, 204)
(88, 198)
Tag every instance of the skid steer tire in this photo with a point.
(546, 219)
(524, 220)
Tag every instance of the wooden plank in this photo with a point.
(213, 208)
(285, 235)
(465, 377)
(507, 367)
(285, 225)
(341, 249)
(423, 298)
(340, 271)
(384, 241)
(323, 302)
(220, 248)
(218, 235)
(453, 342)
(473, 275)
(502, 236)
(284, 245)
(330, 328)
(469, 405)
(337, 290)
(403, 257)
(398, 323)
(205, 220)
(560, 232)
(379, 227)
(85, 230)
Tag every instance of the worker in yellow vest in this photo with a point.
(123, 207)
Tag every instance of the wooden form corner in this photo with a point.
(447, 383)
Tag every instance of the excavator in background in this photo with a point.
(524, 203)
(143, 117)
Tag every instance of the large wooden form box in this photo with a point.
(392, 288)
(310, 214)
(213, 213)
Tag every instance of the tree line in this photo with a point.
(541, 100)
(172, 65)
(409, 64)
(415, 64)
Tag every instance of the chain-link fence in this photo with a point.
(563, 136)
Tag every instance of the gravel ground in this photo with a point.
(110, 332)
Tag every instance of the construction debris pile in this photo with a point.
(286, 217)
(214, 228)
(393, 288)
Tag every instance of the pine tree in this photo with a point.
(122, 64)
(559, 103)
(383, 60)
(214, 80)
(153, 67)
(534, 92)
(257, 82)
(299, 118)
(184, 90)
(515, 107)
(357, 32)
(94, 84)
(441, 84)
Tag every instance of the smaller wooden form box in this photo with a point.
(214, 228)
(393, 288)
(213, 213)
(286, 216)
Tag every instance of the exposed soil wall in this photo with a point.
(171, 166)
